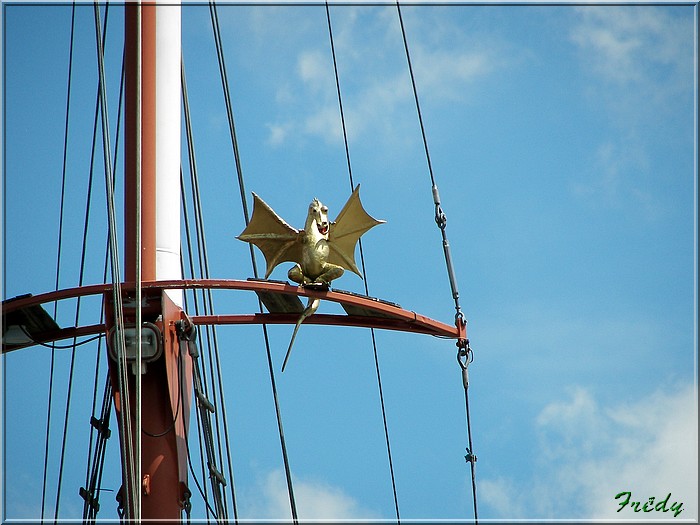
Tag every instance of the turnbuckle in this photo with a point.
(440, 217)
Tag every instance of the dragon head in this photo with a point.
(318, 218)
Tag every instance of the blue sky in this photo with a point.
(563, 143)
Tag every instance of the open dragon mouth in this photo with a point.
(322, 228)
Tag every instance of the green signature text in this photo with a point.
(649, 506)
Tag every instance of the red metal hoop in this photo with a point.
(374, 312)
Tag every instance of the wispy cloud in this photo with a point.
(639, 66)
(589, 453)
(633, 45)
(374, 77)
(315, 500)
(620, 165)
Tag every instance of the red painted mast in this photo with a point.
(154, 481)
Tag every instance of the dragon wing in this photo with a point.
(351, 223)
(277, 240)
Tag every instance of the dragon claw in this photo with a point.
(317, 285)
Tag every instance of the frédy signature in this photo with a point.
(649, 506)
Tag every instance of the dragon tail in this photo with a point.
(310, 309)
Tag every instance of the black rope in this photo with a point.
(208, 302)
(364, 270)
(188, 505)
(77, 318)
(125, 422)
(229, 107)
(280, 428)
(202, 492)
(170, 427)
(93, 481)
(246, 215)
(186, 337)
(188, 240)
(415, 95)
(464, 354)
(97, 363)
(464, 357)
(58, 260)
(60, 347)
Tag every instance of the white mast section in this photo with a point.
(168, 122)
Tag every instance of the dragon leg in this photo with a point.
(295, 274)
(310, 309)
(330, 272)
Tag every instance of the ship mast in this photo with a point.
(154, 466)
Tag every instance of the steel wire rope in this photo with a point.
(207, 298)
(81, 279)
(74, 344)
(200, 235)
(104, 275)
(187, 445)
(214, 333)
(203, 493)
(107, 257)
(246, 216)
(364, 268)
(208, 302)
(464, 353)
(100, 454)
(94, 478)
(125, 422)
(58, 261)
(137, 242)
(204, 409)
(196, 308)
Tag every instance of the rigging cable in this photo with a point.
(92, 489)
(364, 269)
(188, 237)
(208, 299)
(241, 185)
(90, 493)
(182, 401)
(125, 422)
(81, 279)
(74, 344)
(186, 335)
(58, 261)
(464, 352)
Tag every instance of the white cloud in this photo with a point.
(625, 44)
(324, 123)
(374, 78)
(277, 135)
(315, 500)
(588, 454)
(446, 73)
(639, 61)
(312, 68)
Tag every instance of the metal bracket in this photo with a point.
(91, 500)
(470, 458)
(185, 501)
(101, 426)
